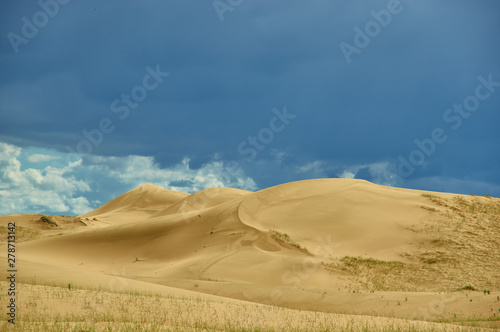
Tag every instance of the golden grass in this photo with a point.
(56, 308)
(40, 226)
(22, 233)
(371, 274)
(464, 253)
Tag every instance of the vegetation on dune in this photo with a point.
(371, 274)
(79, 221)
(41, 226)
(48, 220)
(22, 233)
(461, 254)
(350, 261)
(285, 238)
(429, 208)
(467, 287)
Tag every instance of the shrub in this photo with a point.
(48, 220)
(285, 238)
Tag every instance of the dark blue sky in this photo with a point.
(99, 97)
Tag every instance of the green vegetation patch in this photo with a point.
(48, 220)
(436, 199)
(373, 274)
(285, 238)
(354, 264)
(467, 287)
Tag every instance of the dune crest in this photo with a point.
(359, 216)
(136, 204)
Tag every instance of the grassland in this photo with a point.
(52, 307)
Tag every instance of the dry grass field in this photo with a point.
(316, 255)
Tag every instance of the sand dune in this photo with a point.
(329, 245)
(202, 200)
(360, 217)
(136, 204)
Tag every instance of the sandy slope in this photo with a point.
(331, 245)
(135, 205)
(359, 217)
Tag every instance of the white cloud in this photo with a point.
(384, 173)
(36, 158)
(349, 172)
(380, 173)
(69, 188)
(318, 168)
(78, 205)
(136, 170)
(32, 190)
(347, 175)
(279, 156)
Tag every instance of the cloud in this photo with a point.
(36, 158)
(314, 167)
(382, 173)
(136, 170)
(34, 191)
(349, 172)
(347, 175)
(70, 188)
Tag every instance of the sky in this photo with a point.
(99, 97)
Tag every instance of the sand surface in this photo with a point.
(334, 254)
